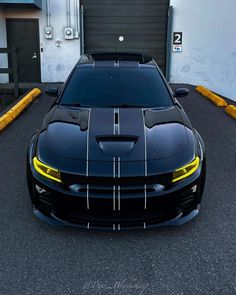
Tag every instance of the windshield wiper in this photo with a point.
(126, 106)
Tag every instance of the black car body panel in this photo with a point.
(116, 166)
(62, 137)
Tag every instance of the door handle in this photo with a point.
(35, 55)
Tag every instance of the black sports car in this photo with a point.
(116, 150)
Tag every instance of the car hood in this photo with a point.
(161, 137)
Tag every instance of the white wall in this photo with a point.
(56, 63)
(209, 44)
(3, 44)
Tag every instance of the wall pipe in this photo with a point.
(68, 13)
(169, 42)
(76, 19)
(82, 29)
(76, 16)
(48, 13)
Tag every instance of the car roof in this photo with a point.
(116, 59)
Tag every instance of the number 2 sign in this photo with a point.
(177, 41)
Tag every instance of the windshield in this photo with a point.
(116, 87)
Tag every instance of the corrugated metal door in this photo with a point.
(142, 24)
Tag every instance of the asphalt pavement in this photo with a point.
(196, 258)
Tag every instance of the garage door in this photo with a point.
(141, 25)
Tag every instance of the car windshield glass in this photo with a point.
(116, 87)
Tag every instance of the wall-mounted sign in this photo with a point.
(177, 41)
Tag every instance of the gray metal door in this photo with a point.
(23, 34)
(127, 25)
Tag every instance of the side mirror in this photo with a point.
(52, 91)
(181, 92)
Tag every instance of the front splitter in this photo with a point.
(178, 220)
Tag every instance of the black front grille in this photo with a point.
(131, 212)
(69, 179)
(159, 207)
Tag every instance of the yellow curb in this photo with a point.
(216, 99)
(18, 108)
(231, 110)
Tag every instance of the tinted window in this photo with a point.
(116, 87)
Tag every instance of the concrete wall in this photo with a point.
(3, 44)
(56, 62)
(209, 44)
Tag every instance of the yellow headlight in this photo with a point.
(186, 171)
(46, 171)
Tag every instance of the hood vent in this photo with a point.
(116, 145)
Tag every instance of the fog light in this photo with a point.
(194, 188)
(39, 189)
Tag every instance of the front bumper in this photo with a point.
(173, 207)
